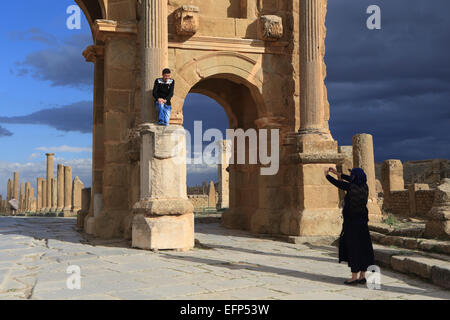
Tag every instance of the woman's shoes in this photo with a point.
(357, 281)
(351, 282)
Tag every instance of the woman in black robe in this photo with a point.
(355, 245)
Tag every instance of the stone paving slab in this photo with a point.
(226, 264)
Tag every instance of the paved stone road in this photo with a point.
(229, 264)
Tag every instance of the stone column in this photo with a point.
(223, 174)
(39, 201)
(391, 179)
(96, 54)
(60, 187)
(67, 191)
(155, 51)
(78, 186)
(85, 205)
(22, 197)
(164, 216)
(33, 201)
(27, 197)
(44, 208)
(48, 204)
(314, 106)
(392, 176)
(345, 167)
(16, 186)
(10, 190)
(363, 157)
(114, 219)
(211, 195)
(54, 195)
(315, 208)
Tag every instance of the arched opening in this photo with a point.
(239, 101)
(93, 10)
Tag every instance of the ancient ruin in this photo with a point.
(47, 201)
(238, 55)
(239, 52)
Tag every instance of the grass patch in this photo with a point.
(391, 220)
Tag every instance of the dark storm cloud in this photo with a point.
(393, 83)
(62, 64)
(75, 117)
(5, 132)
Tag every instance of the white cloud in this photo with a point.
(64, 148)
(34, 155)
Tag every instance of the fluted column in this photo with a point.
(155, 40)
(60, 196)
(10, 190)
(22, 197)
(54, 203)
(163, 216)
(16, 186)
(67, 190)
(48, 204)
(313, 101)
(44, 208)
(27, 197)
(39, 184)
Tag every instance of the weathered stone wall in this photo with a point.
(398, 202)
(424, 201)
(199, 201)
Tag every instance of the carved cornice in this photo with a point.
(107, 28)
(94, 53)
(229, 44)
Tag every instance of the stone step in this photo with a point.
(412, 262)
(416, 231)
(427, 245)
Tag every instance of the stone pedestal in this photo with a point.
(438, 224)
(163, 232)
(164, 215)
(317, 211)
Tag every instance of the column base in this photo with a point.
(375, 214)
(233, 220)
(163, 232)
(163, 207)
(67, 213)
(89, 225)
(312, 222)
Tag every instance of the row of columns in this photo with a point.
(54, 195)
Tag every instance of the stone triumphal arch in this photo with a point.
(262, 60)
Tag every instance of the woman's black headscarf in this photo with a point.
(358, 176)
